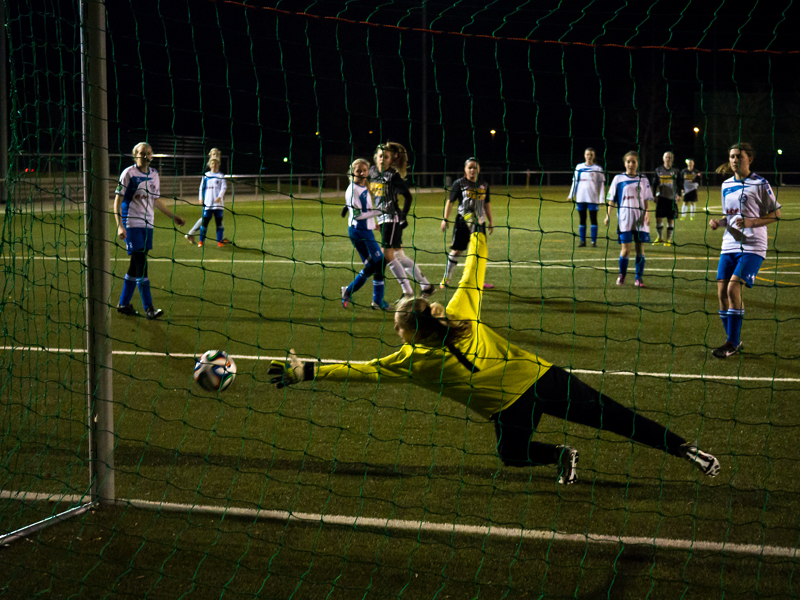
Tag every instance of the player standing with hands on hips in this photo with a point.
(667, 186)
(630, 194)
(472, 197)
(138, 193)
(749, 206)
(588, 189)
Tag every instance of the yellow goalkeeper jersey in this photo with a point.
(500, 372)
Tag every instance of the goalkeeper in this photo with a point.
(450, 352)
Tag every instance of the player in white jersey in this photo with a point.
(691, 182)
(138, 193)
(212, 195)
(588, 189)
(362, 220)
(749, 205)
(630, 193)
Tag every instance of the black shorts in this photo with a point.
(461, 235)
(665, 208)
(391, 235)
(690, 196)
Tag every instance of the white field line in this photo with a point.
(513, 533)
(183, 355)
(544, 264)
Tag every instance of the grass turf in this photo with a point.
(396, 452)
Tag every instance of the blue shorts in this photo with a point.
(590, 206)
(626, 237)
(744, 265)
(366, 245)
(139, 239)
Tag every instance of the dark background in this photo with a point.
(266, 81)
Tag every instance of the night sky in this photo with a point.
(313, 80)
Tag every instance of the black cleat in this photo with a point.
(727, 349)
(127, 309)
(427, 292)
(153, 313)
(567, 458)
(581, 244)
(704, 461)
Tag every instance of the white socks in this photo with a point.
(397, 270)
(411, 268)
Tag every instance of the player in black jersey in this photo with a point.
(471, 195)
(387, 184)
(667, 187)
(691, 182)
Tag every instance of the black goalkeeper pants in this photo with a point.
(559, 394)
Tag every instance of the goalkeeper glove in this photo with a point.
(290, 371)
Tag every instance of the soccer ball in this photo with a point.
(215, 371)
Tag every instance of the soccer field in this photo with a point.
(376, 491)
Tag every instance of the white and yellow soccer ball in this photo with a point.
(215, 371)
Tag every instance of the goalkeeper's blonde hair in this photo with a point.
(429, 323)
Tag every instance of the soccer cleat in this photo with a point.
(658, 241)
(639, 283)
(594, 244)
(226, 241)
(621, 280)
(488, 286)
(683, 218)
(189, 238)
(668, 243)
(153, 313)
(427, 292)
(727, 349)
(220, 244)
(567, 458)
(704, 461)
(582, 244)
(199, 244)
(127, 309)
(691, 218)
(384, 305)
(345, 297)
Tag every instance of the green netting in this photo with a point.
(372, 490)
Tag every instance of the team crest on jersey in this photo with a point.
(376, 188)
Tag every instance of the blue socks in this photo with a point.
(128, 287)
(203, 233)
(623, 266)
(377, 291)
(594, 233)
(639, 266)
(358, 282)
(144, 290)
(734, 328)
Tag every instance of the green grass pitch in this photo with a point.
(396, 452)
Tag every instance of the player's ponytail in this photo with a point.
(430, 324)
(400, 162)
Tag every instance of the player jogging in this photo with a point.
(362, 215)
(667, 186)
(450, 352)
(588, 189)
(691, 183)
(749, 206)
(386, 183)
(138, 193)
(471, 195)
(630, 193)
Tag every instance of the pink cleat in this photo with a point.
(639, 283)
(488, 286)
(621, 280)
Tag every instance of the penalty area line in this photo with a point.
(254, 357)
(387, 525)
